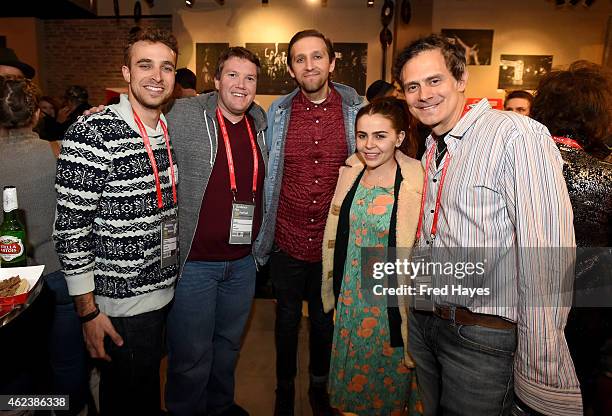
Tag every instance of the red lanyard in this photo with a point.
(230, 159)
(567, 141)
(147, 144)
(424, 196)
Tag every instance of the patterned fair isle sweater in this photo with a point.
(108, 225)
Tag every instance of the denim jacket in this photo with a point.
(279, 114)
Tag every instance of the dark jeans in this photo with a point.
(67, 353)
(294, 281)
(462, 370)
(129, 384)
(205, 325)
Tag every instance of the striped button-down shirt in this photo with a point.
(504, 189)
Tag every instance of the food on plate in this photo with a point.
(13, 286)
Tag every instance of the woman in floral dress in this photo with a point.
(376, 204)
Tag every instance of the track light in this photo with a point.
(189, 3)
(370, 3)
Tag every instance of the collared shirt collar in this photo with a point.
(304, 100)
(462, 126)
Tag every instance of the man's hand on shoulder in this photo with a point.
(94, 110)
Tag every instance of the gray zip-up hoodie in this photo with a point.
(194, 128)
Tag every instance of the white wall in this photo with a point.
(526, 27)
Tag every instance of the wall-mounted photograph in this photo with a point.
(351, 65)
(478, 44)
(207, 55)
(274, 78)
(2, 41)
(522, 71)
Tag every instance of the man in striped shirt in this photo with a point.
(503, 190)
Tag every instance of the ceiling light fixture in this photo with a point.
(370, 3)
(189, 3)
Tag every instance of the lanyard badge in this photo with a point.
(169, 226)
(241, 224)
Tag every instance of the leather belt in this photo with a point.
(466, 317)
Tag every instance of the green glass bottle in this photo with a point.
(12, 232)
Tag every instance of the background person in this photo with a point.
(11, 65)
(576, 106)
(27, 163)
(519, 101)
(375, 204)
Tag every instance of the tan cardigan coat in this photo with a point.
(408, 206)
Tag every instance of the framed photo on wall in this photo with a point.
(351, 65)
(274, 78)
(2, 41)
(207, 55)
(522, 71)
(478, 44)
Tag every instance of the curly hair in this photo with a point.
(396, 111)
(576, 102)
(454, 55)
(19, 99)
(149, 34)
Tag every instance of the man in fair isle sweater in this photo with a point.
(116, 226)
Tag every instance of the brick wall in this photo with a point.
(88, 52)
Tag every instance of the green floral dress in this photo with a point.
(367, 376)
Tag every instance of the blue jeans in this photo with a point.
(461, 369)
(67, 353)
(205, 325)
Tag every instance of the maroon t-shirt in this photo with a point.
(212, 232)
(315, 148)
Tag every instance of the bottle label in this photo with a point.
(11, 247)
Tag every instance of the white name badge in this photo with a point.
(422, 283)
(241, 225)
(169, 243)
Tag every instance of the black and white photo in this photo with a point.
(478, 44)
(207, 55)
(523, 71)
(351, 65)
(274, 78)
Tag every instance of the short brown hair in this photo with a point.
(311, 33)
(236, 52)
(454, 55)
(19, 98)
(525, 95)
(149, 34)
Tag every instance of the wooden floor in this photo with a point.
(255, 374)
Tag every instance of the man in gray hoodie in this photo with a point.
(219, 143)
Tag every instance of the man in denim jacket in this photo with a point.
(311, 132)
